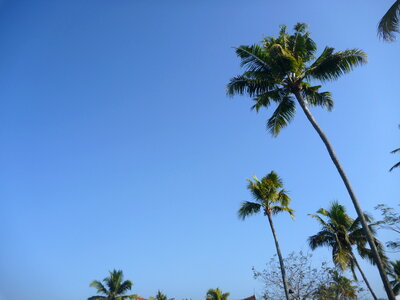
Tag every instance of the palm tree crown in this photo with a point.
(216, 294)
(269, 195)
(341, 233)
(284, 66)
(390, 22)
(115, 287)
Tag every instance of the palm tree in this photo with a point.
(216, 294)
(115, 287)
(340, 288)
(161, 296)
(389, 24)
(283, 67)
(395, 275)
(271, 199)
(340, 233)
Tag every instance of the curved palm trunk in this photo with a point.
(353, 197)
(278, 251)
(363, 276)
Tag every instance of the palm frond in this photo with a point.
(315, 98)
(99, 286)
(395, 166)
(247, 209)
(276, 209)
(282, 115)
(330, 65)
(243, 84)
(389, 24)
(253, 58)
(124, 287)
(321, 239)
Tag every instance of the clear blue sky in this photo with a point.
(119, 148)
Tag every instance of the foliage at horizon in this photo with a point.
(216, 294)
(303, 277)
(114, 287)
(340, 288)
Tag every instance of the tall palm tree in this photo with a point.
(216, 294)
(390, 22)
(340, 233)
(395, 275)
(271, 199)
(283, 67)
(115, 287)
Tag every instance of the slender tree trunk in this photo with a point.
(278, 251)
(363, 276)
(353, 197)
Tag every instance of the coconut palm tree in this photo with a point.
(340, 233)
(394, 273)
(280, 71)
(339, 288)
(389, 24)
(216, 294)
(114, 289)
(271, 199)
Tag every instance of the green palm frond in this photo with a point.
(253, 57)
(125, 286)
(282, 115)
(279, 209)
(322, 238)
(389, 24)
(331, 65)
(315, 98)
(247, 209)
(99, 286)
(243, 84)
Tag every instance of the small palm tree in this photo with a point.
(115, 287)
(161, 296)
(340, 288)
(271, 199)
(395, 275)
(340, 233)
(216, 294)
(389, 24)
(281, 71)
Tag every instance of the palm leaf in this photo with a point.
(315, 98)
(389, 24)
(330, 65)
(247, 209)
(282, 115)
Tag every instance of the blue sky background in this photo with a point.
(119, 148)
